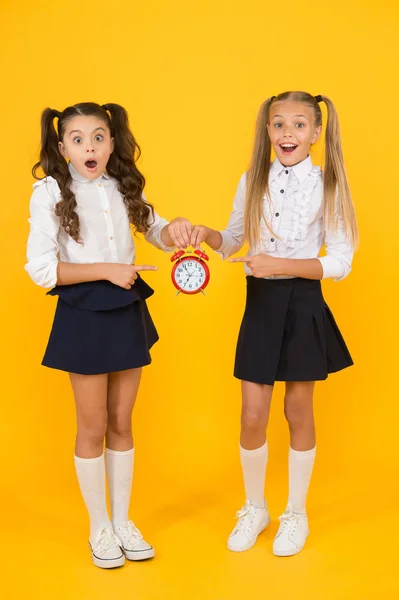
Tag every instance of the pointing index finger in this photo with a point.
(245, 259)
(145, 268)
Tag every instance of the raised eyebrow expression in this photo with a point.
(281, 117)
(81, 132)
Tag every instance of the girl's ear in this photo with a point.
(316, 135)
(62, 150)
(112, 144)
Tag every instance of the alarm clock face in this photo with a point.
(189, 275)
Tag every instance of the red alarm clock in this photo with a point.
(190, 274)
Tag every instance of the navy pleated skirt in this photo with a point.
(288, 333)
(100, 328)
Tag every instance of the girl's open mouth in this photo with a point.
(91, 165)
(288, 148)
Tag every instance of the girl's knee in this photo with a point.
(119, 426)
(298, 413)
(93, 431)
(253, 419)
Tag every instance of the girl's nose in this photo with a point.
(90, 148)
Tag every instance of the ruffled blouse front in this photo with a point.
(294, 221)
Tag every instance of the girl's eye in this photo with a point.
(277, 125)
(77, 140)
(300, 125)
(99, 138)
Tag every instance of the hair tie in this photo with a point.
(273, 98)
(57, 113)
(319, 98)
(105, 106)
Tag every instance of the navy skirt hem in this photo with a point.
(288, 333)
(100, 328)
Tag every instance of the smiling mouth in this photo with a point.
(91, 164)
(288, 148)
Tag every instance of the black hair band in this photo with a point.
(318, 98)
(105, 106)
(273, 98)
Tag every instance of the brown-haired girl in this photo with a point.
(286, 210)
(81, 245)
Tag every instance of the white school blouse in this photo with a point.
(104, 227)
(295, 214)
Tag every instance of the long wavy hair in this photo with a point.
(121, 164)
(337, 200)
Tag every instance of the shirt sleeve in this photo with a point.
(339, 252)
(42, 249)
(153, 235)
(233, 235)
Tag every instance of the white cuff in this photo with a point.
(333, 267)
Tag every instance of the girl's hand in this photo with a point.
(261, 265)
(179, 231)
(125, 275)
(199, 235)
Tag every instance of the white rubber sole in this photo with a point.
(108, 563)
(250, 545)
(139, 554)
(291, 552)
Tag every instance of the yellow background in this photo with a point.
(192, 76)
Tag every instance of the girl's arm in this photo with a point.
(230, 240)
(119, 274)
(264, 265)
(42, 250)
(168, 236)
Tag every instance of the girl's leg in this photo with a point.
(91, 410)
(122, 393)
(256, 399)
(254, 517)
(298, 408)
(119, 458)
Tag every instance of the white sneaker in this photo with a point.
(132, 542)
(251, 521)
(106, 552)
(292, 533)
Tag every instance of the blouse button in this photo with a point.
(277, 214)
(286, 172)
(100, 185)
(281, 191)
(272, 240)
(105, 211)
(111, 237)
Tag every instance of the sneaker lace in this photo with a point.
(106, 540)
(289, 522)
(131, 535)
(246, 517)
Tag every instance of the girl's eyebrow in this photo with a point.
(78, 130)
(281, 116)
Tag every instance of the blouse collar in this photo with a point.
(80, 179)
(301, 170)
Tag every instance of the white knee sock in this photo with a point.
(120, 475)
(91, 477)
(253, 464)
(300, 467)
